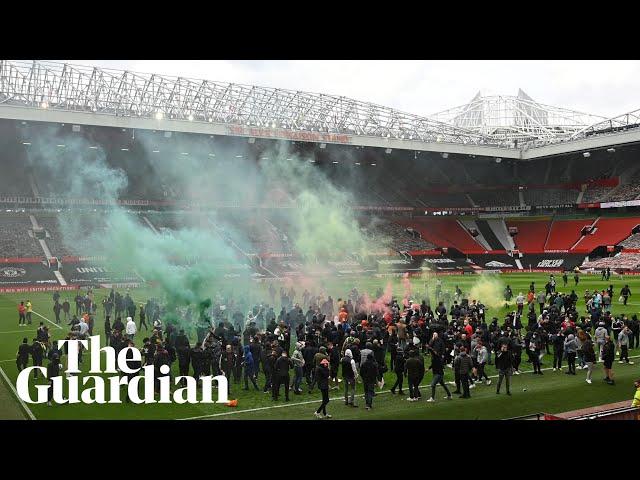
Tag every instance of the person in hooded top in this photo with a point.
(398, 368)
(570, 349)
(321, 376)
(369, 374)
(249, 366)
(349, 377)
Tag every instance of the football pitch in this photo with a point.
(552, 392)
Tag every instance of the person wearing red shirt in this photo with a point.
(22, 320)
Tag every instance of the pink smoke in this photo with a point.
(379, 305)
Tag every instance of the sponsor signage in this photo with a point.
(245, 131)
(551, 263)
(625, 203)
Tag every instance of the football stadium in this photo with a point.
(477, 263)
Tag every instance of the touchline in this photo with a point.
(94, 387)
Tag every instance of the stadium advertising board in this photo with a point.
(82, 273)
(32, 274)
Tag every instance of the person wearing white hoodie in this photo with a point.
(130, 328)
(349, 376)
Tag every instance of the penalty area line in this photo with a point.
(52, 323)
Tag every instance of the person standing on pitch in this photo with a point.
(414, 369)
(349, 377)
(608, 355)
(623, 345)
(504, 364)
(29, 308)
(37, 354)
(369, 374)
(398, 368)
(281, 376)
(625, 293)
(130, 328)
(22, 357)
(143, 318)
(589, 356)
(322, 378)
(183, 348)
(298, 368)
(54, 369)
(437, 367)
(22, 319)
(463, 364)
(570, 349)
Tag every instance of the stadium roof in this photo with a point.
(516, 118)
(511, 127)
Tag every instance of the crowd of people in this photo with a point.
(354, 340)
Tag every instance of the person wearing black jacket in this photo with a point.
(504, 364)
(369, 373)
(22, 357)
(269, 363)
(196, 355)
(414, 369)
(308, 352)
(608, 355)
(437, 367)
(54, 369)
(107, 329)
(183, 348)
(634, 326)
(398, 368)
(161, 358)
(558, 350)
(37, 354)
(533, 349)
(256, 352)
(118, 325)
(281, 376)
(625, 293)
(321, 375)
(227, 364)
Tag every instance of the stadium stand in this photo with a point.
(445, 233)
(83, 244)
(432, 199)
(596, 194)
(495, 197)
(400, 239)
(15, 237)
(609, 231)
(565, 233)
(631, 242)
(544, 197)
(625, 192)
(532, 234)
(625, 261)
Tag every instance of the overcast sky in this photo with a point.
(605, 88)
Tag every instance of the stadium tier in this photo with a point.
(563, 234)
(531, 233)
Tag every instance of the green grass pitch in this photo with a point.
(552, 392)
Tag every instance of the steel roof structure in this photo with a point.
(517, 118)
(502, 126)
(67, 87)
